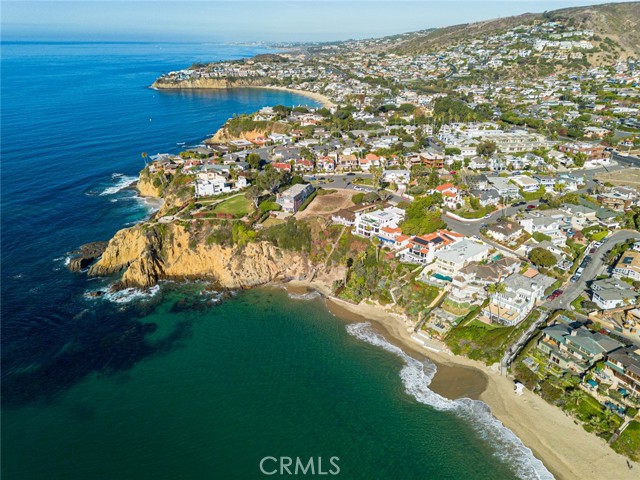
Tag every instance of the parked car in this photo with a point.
(530, 207)
(555, 294)
(350, 173)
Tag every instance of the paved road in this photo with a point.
(471, 228)
(343, 180)
(595, 268)
(627, 161)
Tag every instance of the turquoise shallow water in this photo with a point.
(260, 374)
(177, 386)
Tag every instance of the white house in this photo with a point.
(369, 224)
(211, 183)
(460, 254)
(518, 299)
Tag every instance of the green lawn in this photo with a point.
(629, 442)
(596, 237)
(238, 206)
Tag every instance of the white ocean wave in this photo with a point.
(127, 295)
(304, 296)
(122, 182)
(416, 377)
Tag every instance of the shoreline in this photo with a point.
(323, 100)
(550, 433)
(318, 97)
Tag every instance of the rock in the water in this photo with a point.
(85, 255)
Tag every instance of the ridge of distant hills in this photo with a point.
(618, 22)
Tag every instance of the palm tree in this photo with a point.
(144, 156)
(494, 289)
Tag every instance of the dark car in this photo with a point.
(593, 250)
(517, 204)
(350, 173)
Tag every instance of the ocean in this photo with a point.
(181, 382)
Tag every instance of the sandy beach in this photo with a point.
(565, 448)
(318, 97)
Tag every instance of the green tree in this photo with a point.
(542, 257)
(434, 178)
(254, 161)
(486, 148)
(579, 159)
(377, 173)
(422, 217)
(253, 194)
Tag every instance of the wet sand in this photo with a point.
(565, 448)
(451, 381)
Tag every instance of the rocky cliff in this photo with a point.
(212, 83)
(148, 254)
(146, 186)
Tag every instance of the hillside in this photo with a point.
(617, 22)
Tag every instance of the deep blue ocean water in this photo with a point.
(178, 384)
(75, 119)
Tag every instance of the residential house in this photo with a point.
(399, 177)
(212, 183)
(505, 231)
(612, 293)
(292, 199)
(469, 284)
(518, 299)
(573, 347)
(449, 261)
(624, 366)
(618, 199)
(421, 248)
(504, 187)
(580, 216)
(526, 184)
(628, 266)
(369, 224)
(450, 197)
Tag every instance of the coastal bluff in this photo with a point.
(150, 253)
(208, 83)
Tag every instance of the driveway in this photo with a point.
(595, 268)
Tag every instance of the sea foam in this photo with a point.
(127, 295)
(416, 377)
(304, 296)
(122, 182)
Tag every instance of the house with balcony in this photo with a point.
(449, 261)
(369, 224)
(504, 187)
(518, 299)
(210, 183)
(624, 366)
(469, 284)
(421, 249)
(573, 347)
(612, 293)
(505, 231)
(292, 199)
(628, 266)
(580, 216)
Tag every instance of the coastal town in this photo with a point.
(487, 190)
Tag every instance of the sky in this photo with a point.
(245, 20)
